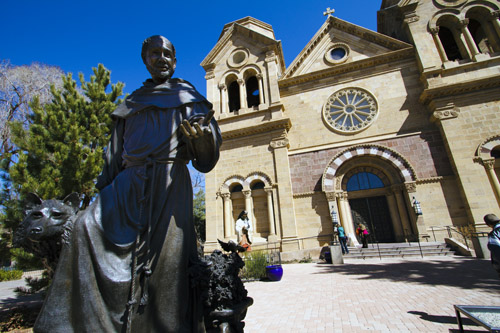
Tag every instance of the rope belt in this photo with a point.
(146, 268)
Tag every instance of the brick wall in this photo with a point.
(425, 152)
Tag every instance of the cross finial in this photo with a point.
(329, 12)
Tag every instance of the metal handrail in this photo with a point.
(450, 230)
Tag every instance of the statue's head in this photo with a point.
(158, 54)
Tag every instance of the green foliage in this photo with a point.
(199, 214)
(10, 275)
(34, 285)
(24, 260)
(255, 265)
(60, 152)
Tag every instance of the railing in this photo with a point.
(451, 231)
(327, 238)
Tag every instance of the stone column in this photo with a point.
(279, 147)
(489, 166)
(393, 211)
(261, 88)
(495, 22)
(249, 207)
(272, 74)
(243, 94)
(345, 212)
(270, 212)
(439, 45)
(223, 98)
(403, 212)
(228, 221)
(471, 44)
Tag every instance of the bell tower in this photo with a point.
(242, 73)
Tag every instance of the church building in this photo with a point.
(398, 129)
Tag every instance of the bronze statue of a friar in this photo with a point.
(131, 261)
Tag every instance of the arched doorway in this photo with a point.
(374, 182)
(369, 207)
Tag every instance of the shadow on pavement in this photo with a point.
(466, 273)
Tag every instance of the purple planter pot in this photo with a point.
(274, 272)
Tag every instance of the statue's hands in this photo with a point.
(197, 128)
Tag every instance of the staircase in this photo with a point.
(400, 250)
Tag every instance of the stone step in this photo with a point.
(399, 250)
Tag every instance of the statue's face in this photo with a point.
(160, 60)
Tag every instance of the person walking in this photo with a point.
(342, 240)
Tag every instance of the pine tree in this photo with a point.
(199, 214)
(61, 151)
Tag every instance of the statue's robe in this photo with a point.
(145, 207)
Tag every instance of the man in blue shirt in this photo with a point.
(494, 240)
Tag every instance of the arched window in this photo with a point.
(234, 96)
(479, 36)
(449, 44)
(258, 185)
(495, 152)
(252, 86)
(236, 188)
(364, 181)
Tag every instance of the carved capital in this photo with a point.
(270, 56)
(341, 195)
(488, 164)
(330, 196)
(411, 187)
(240, 81)
(225, 196)
(209, 75)
(269, 190)
(222, 86)
(464, 22)
(434, 30)
(247, 193)
(443, 112)
(411, 17)
(259, 76)
(495, 14)
(283, 143)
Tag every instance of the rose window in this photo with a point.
(350, 110)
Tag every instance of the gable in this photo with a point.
(337, 43)
(246, 36)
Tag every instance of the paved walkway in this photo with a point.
(389, 295)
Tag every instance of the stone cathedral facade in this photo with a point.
(361, 127)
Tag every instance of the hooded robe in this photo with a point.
(136, 243)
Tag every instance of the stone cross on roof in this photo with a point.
(329, 12)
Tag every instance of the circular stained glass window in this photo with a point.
(350, 110)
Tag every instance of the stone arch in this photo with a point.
(329, 179)
(479, 24)
(483, 151)
(253, 85)
(372, 169)
(250, 70)
(258, 175)
(224, 188)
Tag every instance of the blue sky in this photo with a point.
(76, 35)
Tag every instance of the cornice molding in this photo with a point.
(430, 180)
(348, 67)
(459, 88)
(284, 123)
